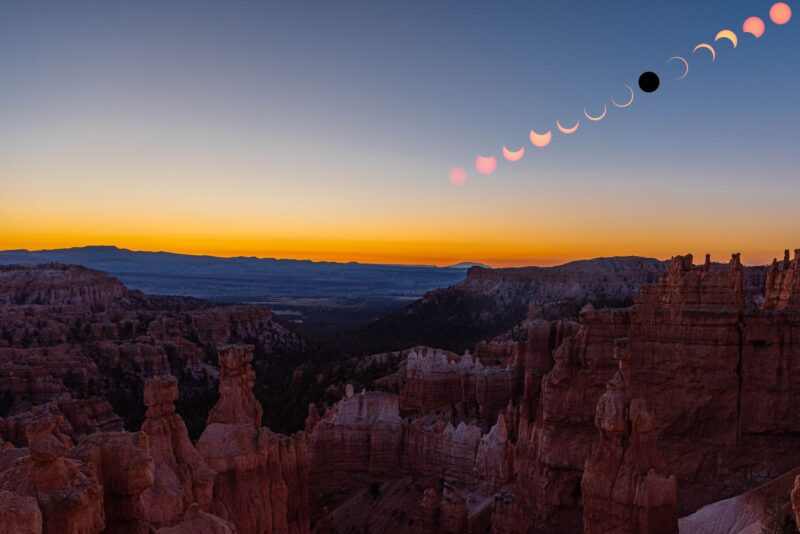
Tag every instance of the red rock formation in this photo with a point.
(436, 380)
(182, 476)
(70, 500)
(359, 438)
(77, 417)
(69, 330)
(626, 487)
(362, 440)
(261, 483)
(555, 439)
(494, 458)
(59, 284)
(783, 284)
(453, 513)
(237, 404)
(432, 380)
(506, 514)
(123, 466)
(19, 514)
(429, 512)
(311, 419)
(715, 372)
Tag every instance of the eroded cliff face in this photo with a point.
(137, 482)
(261, 481)
(67, 492)
(69, 334)
(435, 380)
(182, 477)
(714, 371)
(626, 485)
(363, 442)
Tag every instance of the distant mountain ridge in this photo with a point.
(246, 278)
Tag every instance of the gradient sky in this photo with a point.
(326, 130)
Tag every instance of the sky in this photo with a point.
(326, 130)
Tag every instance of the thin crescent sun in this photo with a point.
(513, 155)
(541, 140)
(729, 35)
(626, 104)
(707, 47)
(685, 65)
(599, 117)
(568, 131)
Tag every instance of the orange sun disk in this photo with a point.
(754, 26)
(780, 13)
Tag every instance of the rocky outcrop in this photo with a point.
(77, 417)
(429, 512)
(783, 284)
(359, 438)
(713, 369)
(362, 441)
(438, 380)
(123, 466)
(181, 475)
(67, 493)
(626, 487)
(237, 404)
(19, 514)
(261, 481)
(433, 379)
(70, 332)
(60, 284)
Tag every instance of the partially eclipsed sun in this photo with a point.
(513, 155)
(568, 131)
(754, 26)
(729, 35)
(541, 140)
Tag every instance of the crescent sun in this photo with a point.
(729, 35)
(541, 140)
(685, 66)
(599, 117)
(626, 104)
(513, 155)
(568, 131)
(707, 47)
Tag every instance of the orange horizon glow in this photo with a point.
(438, 254)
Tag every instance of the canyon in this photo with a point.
(672, 412)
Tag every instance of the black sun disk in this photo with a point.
(648, 82)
